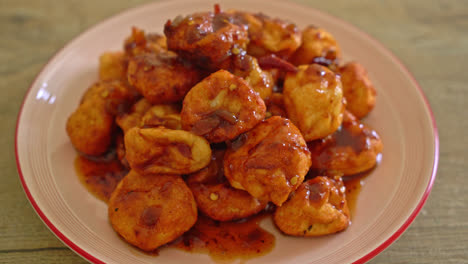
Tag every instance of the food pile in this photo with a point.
(225, 114)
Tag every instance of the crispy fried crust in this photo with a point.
(318, 207)
(318, 46)
(91, 126)
(351, 149)
(269, 35)
(162, 77)
(221, 107)
(357, 89)
(313, 100)
(216, 198)
(269, 162)
(206, 39)
(162, 150)
(150, 211)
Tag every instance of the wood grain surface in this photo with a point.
(429, 36)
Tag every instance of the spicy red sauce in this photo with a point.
(243, 239)
(100, 177)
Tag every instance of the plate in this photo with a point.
(389, 201)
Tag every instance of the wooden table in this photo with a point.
(429, 36)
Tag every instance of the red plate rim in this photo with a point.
(363, 259)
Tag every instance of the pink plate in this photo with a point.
(389, 201)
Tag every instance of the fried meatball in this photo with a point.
(318, 46)
(313, 98)
(269, 35)
(221, 107)
(167, 115)
(216, 198)
(162, 77)
(149, 211)
(318, 207)
(352, 149)
(116, 92)
(275, 106)
(139, 42)
(206, 39)
(91, 126)
(133, 117)
(357, 89)
(113, 66)
(162, 150)
(270, 161)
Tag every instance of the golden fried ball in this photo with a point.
(162, 150)
(133, 117)
(167, 115)
(247, 67)
(221, 107)
(269, 35)
(313, 98)
(162, 77)
(216, 198)
(270, 161)
(318, 207)
(113, 66)
(91, 126)
(139, 42)
(318, 46)
(357, 89)
(150, 211)
(207, 39)
(352, 149)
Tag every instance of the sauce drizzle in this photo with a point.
(100, 177)
(227, 241)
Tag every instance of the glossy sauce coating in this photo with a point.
(149, 211)
(221, 107)
(354, 186)
(162, 150)
(352, 149)
(161, 78)
(206, 39)
(247, 67)
(100, 177)
(318, 207)
(227, 241)
(269, 162)
(268, 35)
(216, 198)
(318, 46)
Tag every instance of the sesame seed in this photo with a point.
(235, 51)
(214, 196)
(294, 180)
(232, 87)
